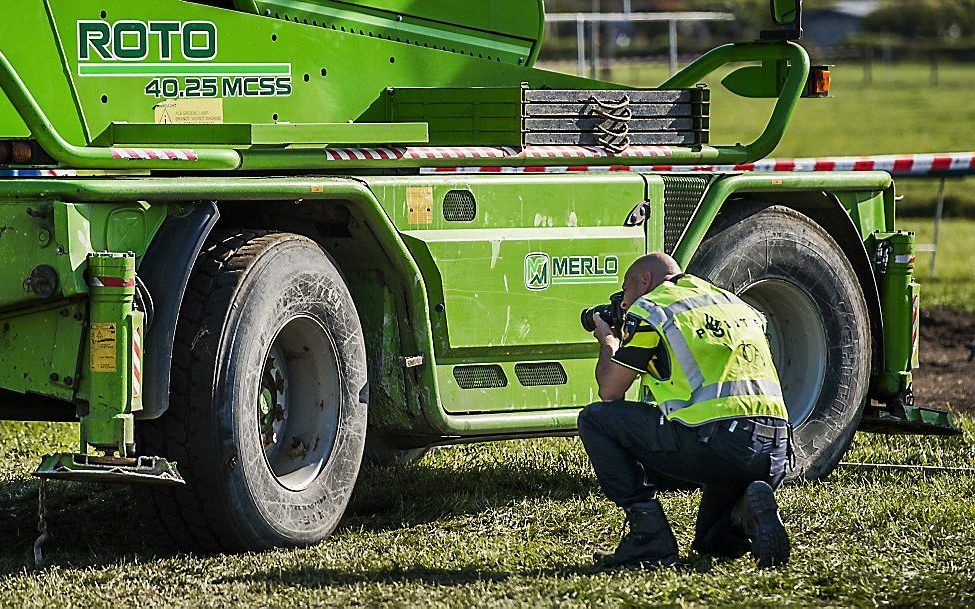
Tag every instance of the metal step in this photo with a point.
(112, 470)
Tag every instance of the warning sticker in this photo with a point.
(419, 204)
(104, 344)
(189, 112)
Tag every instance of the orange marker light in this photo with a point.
(819, 82)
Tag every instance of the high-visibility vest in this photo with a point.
(720, 362)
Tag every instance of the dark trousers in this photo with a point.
(628, 442)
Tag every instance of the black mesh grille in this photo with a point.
(682, 195)
(480, 377)
(459, 206)
(547, 373)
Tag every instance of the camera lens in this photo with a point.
(587, 321)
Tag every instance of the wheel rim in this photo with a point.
(299, 402)
(797, 337)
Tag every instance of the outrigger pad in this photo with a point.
(115, 470)
(909, 419)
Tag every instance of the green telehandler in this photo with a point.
(251, 244)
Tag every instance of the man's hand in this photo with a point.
(604, 334)
(612, 378)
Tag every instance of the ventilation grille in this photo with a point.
(480, 377)
(459, 206)
(547, 373)
(682, 196)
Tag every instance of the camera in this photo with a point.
(611, 313)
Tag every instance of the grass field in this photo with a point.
(899, 112)
(510, 524)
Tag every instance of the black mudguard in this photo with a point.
(165, 270)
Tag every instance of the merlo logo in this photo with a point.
(543, 270)
(536, 271)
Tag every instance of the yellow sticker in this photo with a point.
(419, 204)
(104, 343)
(189, 112)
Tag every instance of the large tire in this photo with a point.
(267, 320)
(786, 265)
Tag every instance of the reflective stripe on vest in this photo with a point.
(726, 389)
(662, 320)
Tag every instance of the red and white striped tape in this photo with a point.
(912, 164)
(137, 362)
(915, 164)
(916, 325)
(154, 154)
(488, 152)
(110, 282)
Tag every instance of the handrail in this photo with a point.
(785, 105)
(88, 157)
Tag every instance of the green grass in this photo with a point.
(508, 524)
(899, 112)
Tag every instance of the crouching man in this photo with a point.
(710, 412)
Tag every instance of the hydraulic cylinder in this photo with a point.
(900, 303)
(115, 354)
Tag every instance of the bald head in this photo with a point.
(658, 264)
(646, 273)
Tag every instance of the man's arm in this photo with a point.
(612, 378)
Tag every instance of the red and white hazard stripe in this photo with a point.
(488, 152)
(916, 325)
(154, 154)
(110, 282)
(958, 163)
(137, 362)
(907, 259)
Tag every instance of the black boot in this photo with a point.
(649, 542)
(723, 539)
(757, 514)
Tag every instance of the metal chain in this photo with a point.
(41, 522)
